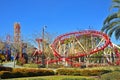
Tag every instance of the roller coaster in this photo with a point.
(79, 47)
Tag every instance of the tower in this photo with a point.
(17, 33)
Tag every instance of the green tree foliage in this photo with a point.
(111, 24)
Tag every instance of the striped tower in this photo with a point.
(17, 33)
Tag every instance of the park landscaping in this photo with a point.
(80, 55)
(96, 73)
(56, 78)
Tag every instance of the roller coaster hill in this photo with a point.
(87, 47)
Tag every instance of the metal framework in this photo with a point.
(69, 47)
(82, 44)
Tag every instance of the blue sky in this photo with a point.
(60, 16)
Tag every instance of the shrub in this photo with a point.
(76, 79)
(2, 72)
(77, 73)
(23, 72)
(2, 68)
(31, 65)
(111, 76)
(5, 75)
(82, 72)
(55, 66)
(65, 71)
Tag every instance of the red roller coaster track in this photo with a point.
(78, 35)
(87, 32)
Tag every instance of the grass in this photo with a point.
(55, 78)
(111, 76)
(30, 65)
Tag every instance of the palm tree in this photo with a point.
(111, 24)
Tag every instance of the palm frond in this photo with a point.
(110, 25)
(107, 29)
(118, 14)
(113, 29)
(104, 27)
(115, 6)
(116, 1)
(110, 17)
(117, 34)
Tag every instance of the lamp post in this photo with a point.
(43, 46)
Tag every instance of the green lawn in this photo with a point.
(55, 78)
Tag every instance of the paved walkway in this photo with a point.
(11, 64)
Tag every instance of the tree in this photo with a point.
(111, 24)
(2, 45)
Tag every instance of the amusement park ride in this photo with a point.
(76, 48)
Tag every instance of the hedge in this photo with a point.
(25, 72)
(6, 72)
(82, 72)
(2, 68)
(115, 75)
